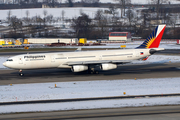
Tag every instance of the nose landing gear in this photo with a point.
(20, 73)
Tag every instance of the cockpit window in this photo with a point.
(9, 60)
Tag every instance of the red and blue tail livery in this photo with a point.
(154, 38)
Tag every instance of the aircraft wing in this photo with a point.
(97, 62)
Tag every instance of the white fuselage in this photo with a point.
(59, 59)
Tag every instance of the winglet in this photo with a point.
(154, 38)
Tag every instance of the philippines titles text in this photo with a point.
(35, 57)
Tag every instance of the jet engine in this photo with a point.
(108, 66)
(79, 68)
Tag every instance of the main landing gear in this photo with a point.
(92, 71)
(20, 73)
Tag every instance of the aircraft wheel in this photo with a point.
(21, 74)
(94, 72)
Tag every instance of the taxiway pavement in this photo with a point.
(137, 113)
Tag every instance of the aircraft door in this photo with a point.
(20, 60)
(137, 53)
(100, 57)
(53, 58)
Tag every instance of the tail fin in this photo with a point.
(154, 38)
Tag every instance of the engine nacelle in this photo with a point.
(79, 68)
(108, 66)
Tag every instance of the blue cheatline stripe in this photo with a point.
(156, 31)
(153, 33)
(151, 36)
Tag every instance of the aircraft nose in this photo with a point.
(4, 63)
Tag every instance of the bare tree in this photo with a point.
(27, 13)
(123, 4)
(158, 4)
(82, 26)
(15, 23)
(113, 11)
(45, 14)
(26, 1)
(60, 1)
(49, 18)
(173, 21)
(81, 12)
(130, 16)
(62, 15)
(101, 22)
(70, 2)
(27, 17)
(39, 20)
(9, 16)
(45, 1)
(34, 1)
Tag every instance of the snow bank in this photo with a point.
(88, 89)
(90, 105)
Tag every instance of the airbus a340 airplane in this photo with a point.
(87, 60)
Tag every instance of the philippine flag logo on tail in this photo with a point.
(141, 53)
(154, 38)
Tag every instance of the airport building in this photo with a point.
(49, 40)
(120, 36)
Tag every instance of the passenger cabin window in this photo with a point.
(9, 60)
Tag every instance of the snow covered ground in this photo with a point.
(90, 105)
(66, 90)
(56, 12)
(88, 89)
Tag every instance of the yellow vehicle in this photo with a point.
(25, 41)
(26, 47)
(2, 42)
(17, 42)
(83, 40)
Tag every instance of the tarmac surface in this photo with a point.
(137, 113)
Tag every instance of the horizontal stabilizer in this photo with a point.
(158, 49)
(153, 50)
